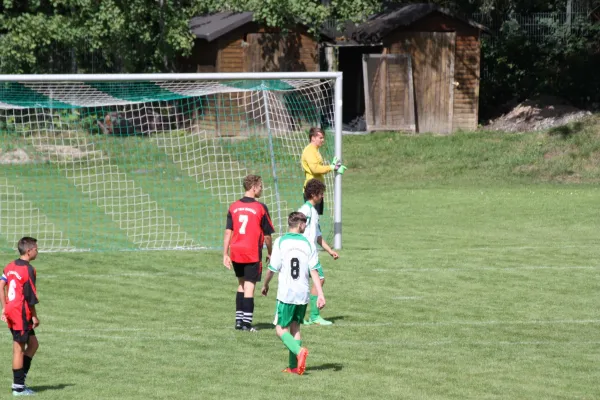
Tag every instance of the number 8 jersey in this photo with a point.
(293, 257)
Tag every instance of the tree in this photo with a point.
(41, 36)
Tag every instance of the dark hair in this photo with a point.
(313, 187)
(250, 181)
(313, 132)
(26, 243)
(295, 219)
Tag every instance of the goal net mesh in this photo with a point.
(96, 166)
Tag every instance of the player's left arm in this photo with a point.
(30, 295)
(269, 244)
(267, 227)
(227, 241)
(326, 247)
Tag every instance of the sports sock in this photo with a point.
(18, 380)
(239, 304)
(26, 364)
(293, 360)
(314, 310)
(248, 308)
(291, 343)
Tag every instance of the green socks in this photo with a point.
(291, 343)
(293, 360)
(314, 310)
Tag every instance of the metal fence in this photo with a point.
(536, 26)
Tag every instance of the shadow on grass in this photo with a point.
(566, 131)
(60, 386)
(333, 366)
(334, 319)
(264, 326)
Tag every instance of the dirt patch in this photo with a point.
(537, 114)
(18, 156)
(47, 153)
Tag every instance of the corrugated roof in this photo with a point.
(395, 16)
(213, 26)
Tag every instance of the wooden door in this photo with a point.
(433, 76)
(388, 87)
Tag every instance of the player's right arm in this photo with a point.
(313, 265)
(312, 160)
(274, 266)
(227, 240)
(317, 284)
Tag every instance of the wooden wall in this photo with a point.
(466, 64)
(249, 48)
(242, 49)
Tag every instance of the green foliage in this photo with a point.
(133, 35)
(125, 36)
(565, 64)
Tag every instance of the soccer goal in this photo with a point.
(152, 161)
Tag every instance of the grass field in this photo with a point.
(469, 271)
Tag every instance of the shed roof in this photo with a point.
(397, 15)
(213, 26)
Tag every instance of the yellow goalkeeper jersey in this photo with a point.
(312, 164)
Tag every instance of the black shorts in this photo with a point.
(319, 207)
(22, 336)
(251, 272)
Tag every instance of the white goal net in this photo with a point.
(152, 161)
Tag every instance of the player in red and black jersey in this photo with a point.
(248, 228)
(19, 297)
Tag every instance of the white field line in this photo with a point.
(407, 298)
(503, 248)
(200, 329)
(130, 274)
(399, 270)
(474, 323)
(471, 269)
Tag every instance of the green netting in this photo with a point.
(150, 165)
(19, 95)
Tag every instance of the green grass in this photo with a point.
(469, 271)
(147, 182)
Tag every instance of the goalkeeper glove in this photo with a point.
(342, 169)
(335, 164)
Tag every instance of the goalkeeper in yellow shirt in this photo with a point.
(312, 162)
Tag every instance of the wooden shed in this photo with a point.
(437, 85)
(233, 42)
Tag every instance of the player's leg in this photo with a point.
(284, 319)
(315, 314)
(30, 350)
(20, 339)
(295, 332)
(239, 295)
(252, 274)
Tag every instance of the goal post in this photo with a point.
(152, 161)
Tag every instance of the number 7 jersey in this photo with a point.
(293, 257)
(250, 221)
